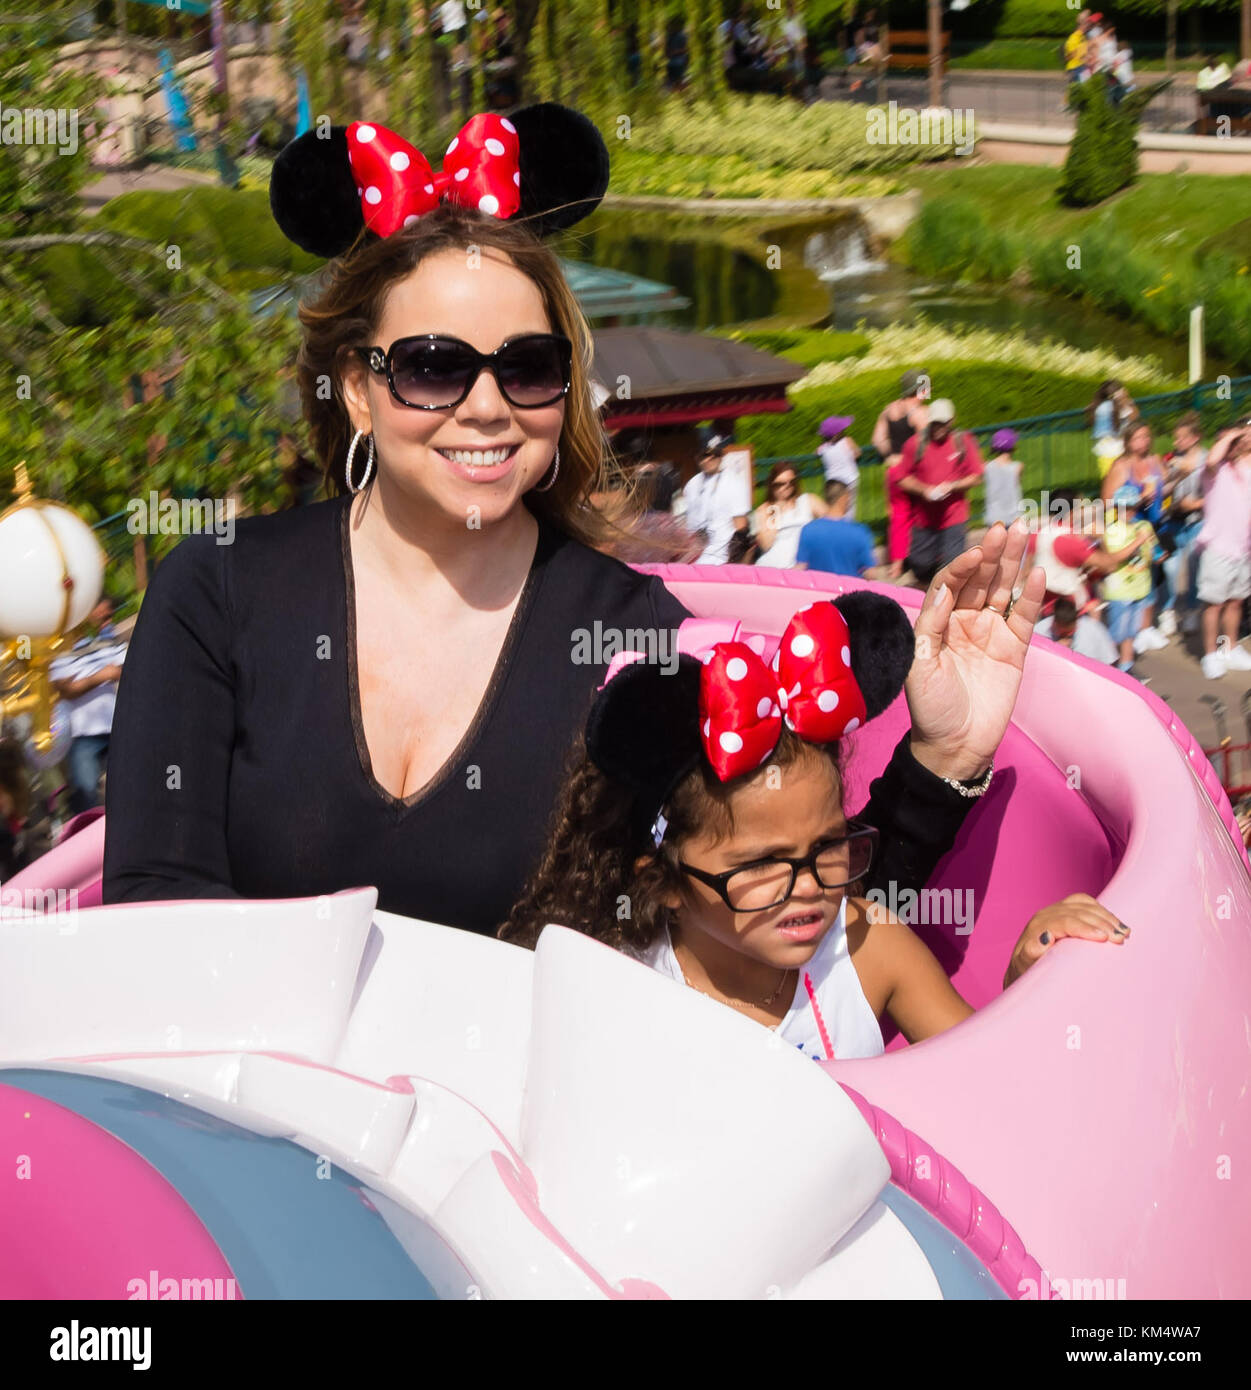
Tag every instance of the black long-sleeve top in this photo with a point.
(238, 765)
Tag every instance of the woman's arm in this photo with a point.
(881, 437)
(1116, 477)
(172, 738)
(917, 817)
(766, 531)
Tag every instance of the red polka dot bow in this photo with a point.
(397, 185)
(811, 688)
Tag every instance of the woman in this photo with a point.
(897, 423)
(1109, 414)
(383, 688)
(781, 518)
(1138, 464)
(1182, 523)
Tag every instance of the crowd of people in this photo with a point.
(1161, 552)
(85, 683)
(1094, 47)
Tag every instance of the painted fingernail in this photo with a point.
(1045, 938)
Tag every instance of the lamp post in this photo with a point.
(936, 51)
(51, 575)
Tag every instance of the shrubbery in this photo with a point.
(952, 237)
(1103, 154)
(757, 146)
(807, 346)
(209, 223)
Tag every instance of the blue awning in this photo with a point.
(602, 293)
(182, 6)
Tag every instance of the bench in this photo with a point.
(911, 39)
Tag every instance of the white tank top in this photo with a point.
(784, 551)
(829, 1006)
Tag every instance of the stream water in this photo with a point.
(820, 272)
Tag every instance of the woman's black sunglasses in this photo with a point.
(434, 372)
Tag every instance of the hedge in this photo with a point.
(984, 394)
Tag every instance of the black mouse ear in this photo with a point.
(882, 646)
(564, 166)
(643, 729)
(312, 193)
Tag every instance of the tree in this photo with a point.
(1103, 154)
(39, 185)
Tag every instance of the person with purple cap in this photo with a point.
(1003, 480)
(838, 456)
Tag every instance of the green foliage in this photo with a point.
(1012, 55)
(806, 346)
(730, 176)
(984, 393)
(756, 147)
(1023, 19)
(1140, 277)
(576, 55)
(1103, 154)
(39, 186)
(208, 224)
(952, 237)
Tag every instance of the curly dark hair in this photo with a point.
(595, 864)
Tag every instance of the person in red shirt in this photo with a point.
(938, 467)
(1065, 545)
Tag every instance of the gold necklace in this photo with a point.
(735, 1003)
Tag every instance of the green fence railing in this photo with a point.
(1057, 450)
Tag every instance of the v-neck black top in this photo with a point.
(238, 764)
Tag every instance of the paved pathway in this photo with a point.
(152, 177)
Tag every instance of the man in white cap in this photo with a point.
(938, 467)
(715, 505)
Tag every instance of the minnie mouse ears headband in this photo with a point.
(839, 664)
(546, 163)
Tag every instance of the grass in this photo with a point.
(1160, 210)
(1147, 254)
(1043, 55)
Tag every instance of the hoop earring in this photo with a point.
(555, 470)
(369, 464)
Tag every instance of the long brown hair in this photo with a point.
(349, 306)
(597, 878)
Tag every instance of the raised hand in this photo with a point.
(971, 640)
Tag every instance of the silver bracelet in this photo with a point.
(978, 788)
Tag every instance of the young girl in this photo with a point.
(704, 833)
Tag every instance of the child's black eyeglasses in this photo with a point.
(435, 372)
(766, 883)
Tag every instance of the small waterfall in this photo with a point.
(841, 253)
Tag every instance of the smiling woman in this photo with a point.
(383, 688)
